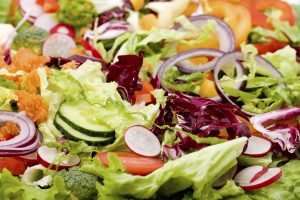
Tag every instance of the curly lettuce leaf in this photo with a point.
(285, 61)
(178, 81)
(12, 188)
(250, 161)
(204, 167)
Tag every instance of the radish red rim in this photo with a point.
(141, 141)
(257, 147)
(48, 157)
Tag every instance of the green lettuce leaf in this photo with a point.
(4, 10)
(6, 97)
(191, 81)
(250, 161)
(12, 188)
(204, 167)
(285, 61)
(54, 99)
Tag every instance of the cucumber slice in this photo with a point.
(71, 114)
(73, 134)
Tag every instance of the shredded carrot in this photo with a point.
(30, 82)
(34, 106)
(8, 131)
(27, 60)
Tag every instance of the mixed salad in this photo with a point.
(149, 99)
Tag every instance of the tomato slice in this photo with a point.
(15, 165)
(256, 8)
(134, 164)
(271, 46)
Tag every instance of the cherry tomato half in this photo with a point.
(134, 164)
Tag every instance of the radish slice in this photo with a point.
(30, 6)
(257, 147)
(58, 45)
(45, 21)
(31, 159)
(249, 174)
(49, 157)
(255, 178)
(142, 141)
(63, 29)
(90, 49)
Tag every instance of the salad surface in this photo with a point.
(149, 99)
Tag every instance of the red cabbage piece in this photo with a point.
(205, 117)
(125, 72)
(287, 137)
(171, 152)
(80, 59)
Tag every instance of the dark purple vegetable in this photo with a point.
(236, 58)
(80, 59)
(125, 72)
(288, 138)
(205, 117)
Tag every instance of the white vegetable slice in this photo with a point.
(257, 147)
(31, 7)
(142, 141)
(249, 174)
(46, 21)
(50, 157)
(252, 178)
(58, 45)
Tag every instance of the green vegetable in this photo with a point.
(283, 31)
(32, 38)
(285, 188)
(6, 98)
(17, 18)
(285, 61)
(12, 188)
(179, 81)
(197, 170)
(76, 13)
(262, 93)
(250, 161)
(4, 10)
(81, 185)
(8, 84)
(54, 99)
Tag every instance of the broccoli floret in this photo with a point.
(81, 185)
(31, 38)
(77, 13)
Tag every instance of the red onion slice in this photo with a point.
(27, 129)
(109, 30)
(234, 58)
(224, 33)
(287, 138)
(185, 55)
(18, 151)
